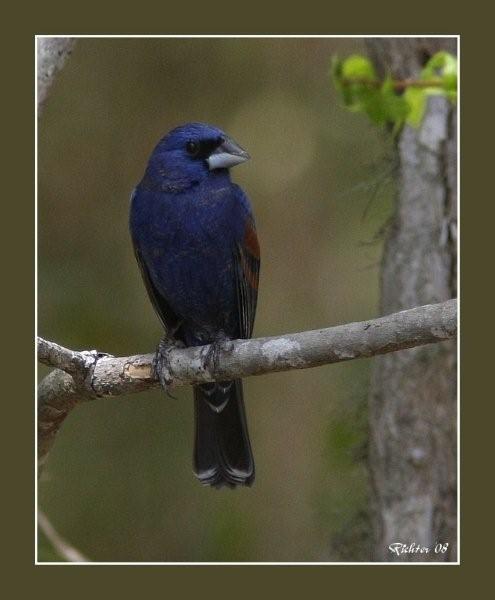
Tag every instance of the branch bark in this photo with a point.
(52, 52)
(82, 376)
(413, 394)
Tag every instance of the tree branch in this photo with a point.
(75, 363)
(90, 375)
(51, 55)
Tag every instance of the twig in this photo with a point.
(398, 85)
(66, 551)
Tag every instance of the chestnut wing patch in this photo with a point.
(247, 277)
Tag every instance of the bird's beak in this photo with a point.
(227, 155)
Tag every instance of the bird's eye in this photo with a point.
(192, 148)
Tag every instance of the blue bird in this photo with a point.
(196, 245)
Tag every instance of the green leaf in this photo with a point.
(450, 82)
(358, 96)
(395, 107)
(416, 101)
(358, 67)
(371, 104)
(452, 96)
(358, 86)
(441, 63)
(443, 67)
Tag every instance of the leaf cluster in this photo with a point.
(389, 101)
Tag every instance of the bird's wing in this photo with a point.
(247, 260)
(168, 318)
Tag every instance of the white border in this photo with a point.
(232, 36)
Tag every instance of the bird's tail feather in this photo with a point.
(222, 451)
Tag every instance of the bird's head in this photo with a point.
(189, 153)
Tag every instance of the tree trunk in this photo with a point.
(413, 424)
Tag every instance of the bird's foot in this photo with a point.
(161, 362)
(219, 345)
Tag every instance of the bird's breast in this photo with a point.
(187, 245)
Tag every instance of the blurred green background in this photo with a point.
(119, 484)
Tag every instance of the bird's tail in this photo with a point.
(222, 451)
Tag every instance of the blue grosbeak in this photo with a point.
(195, 242)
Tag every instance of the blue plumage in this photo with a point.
(187, 241)
(195, 241)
